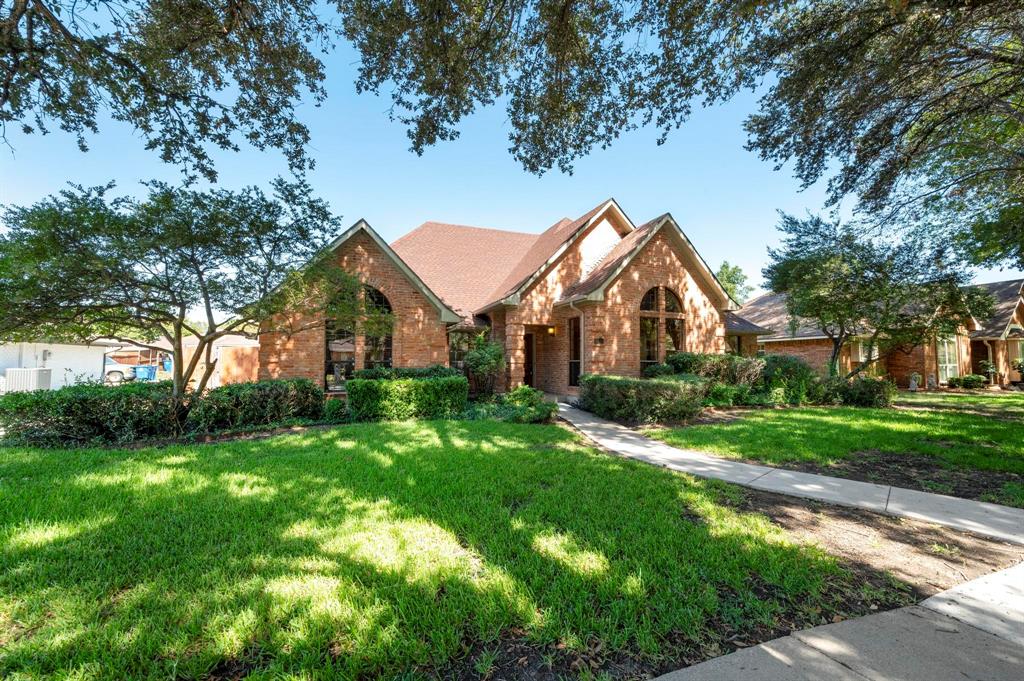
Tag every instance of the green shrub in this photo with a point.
(731, 369)
(336, 411)
(91, 414)
(954, 382)
(407, 398)
(792, 375)
(973, 381)
(865, 391)
(261, 403)
(433, 371)
(521, 405)
(635, 400)
(484, 363)
(655, 370)
(827, 391)
(727, 395)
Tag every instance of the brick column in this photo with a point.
(515, 353)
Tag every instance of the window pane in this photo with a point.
(673, 336)
(378, 351)
(945, 351)
(376, 301)
(650, 301)
(648, 341)
(575, 339)
(672, 303)
(340, 355)
(458, 346)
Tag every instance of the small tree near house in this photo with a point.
(851, 285)
(82, 265)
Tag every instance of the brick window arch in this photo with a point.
(662, 326)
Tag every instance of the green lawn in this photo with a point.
(1004, 404)
(829, 436)
(382, 550)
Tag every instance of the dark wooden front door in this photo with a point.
(528, 361)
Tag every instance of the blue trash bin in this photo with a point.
(145, 373)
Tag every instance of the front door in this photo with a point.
(528, 361)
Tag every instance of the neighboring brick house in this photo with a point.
(598, 294)
(998, 339)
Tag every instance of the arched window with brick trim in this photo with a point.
(377, 341)
(662, 326)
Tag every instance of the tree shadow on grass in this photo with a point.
(378, 549)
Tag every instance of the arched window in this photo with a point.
(341, 338)
(672, 303)
(377, 340)
(649, 303)
(662, 330)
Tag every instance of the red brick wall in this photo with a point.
(815, 352)
(615, 321)
(419, 337)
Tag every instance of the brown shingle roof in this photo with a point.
(1007, 296)
(608, 265)
(738, 325)
(547, 244)
(461, 263)
(769, 311)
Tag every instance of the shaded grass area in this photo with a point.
(1002, 404)
(824, 437)
(386, 549)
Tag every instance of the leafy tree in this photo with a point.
(186, 74)
(889, 295)
(898, 102)
(80, 265)
(734, 281)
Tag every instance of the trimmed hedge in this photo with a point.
(968, 382)
(261, 403)
(91, 414)
(407, 398)
(647, 400)
(391, 373)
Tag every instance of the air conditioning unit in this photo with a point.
(23, 380)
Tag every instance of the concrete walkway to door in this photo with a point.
(991, 520)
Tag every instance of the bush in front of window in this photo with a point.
(260, 403)
(407, 398)
(484, 363)
(655, 370)
(968, 382)
(647, 400)
(390, 373)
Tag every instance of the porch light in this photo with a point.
(551, 331)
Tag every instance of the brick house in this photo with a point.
(598, 294)
(998, 339)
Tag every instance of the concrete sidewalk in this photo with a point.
(991, 520)
(973, 631)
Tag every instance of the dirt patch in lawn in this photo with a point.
(904, 561)
(913, 471)
(929, 558)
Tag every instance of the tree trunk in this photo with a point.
(833, 359)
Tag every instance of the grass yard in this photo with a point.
(945, 451)
(1002, 404)
(409, 550)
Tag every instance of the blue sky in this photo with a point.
(725, 198)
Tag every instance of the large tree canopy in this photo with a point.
(895, 101)
(889, 295)
(81, 265)
(187, 74)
